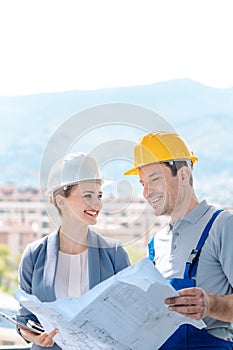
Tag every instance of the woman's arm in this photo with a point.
(43, 339)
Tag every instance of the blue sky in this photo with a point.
(62, 45)
(49, 46)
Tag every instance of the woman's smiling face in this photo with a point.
(84, 202)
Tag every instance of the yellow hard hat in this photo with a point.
(159, 147)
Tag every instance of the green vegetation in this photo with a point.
(8, 270)
(135, 253)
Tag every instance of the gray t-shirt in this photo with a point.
(173, 245)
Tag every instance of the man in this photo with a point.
(195, 251)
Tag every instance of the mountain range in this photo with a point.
(201, 114)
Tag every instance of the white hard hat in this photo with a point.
(71, 170)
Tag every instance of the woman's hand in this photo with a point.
(43, 339)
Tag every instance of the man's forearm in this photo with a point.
(220, 307)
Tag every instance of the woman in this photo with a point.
(72, 259)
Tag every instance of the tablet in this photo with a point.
(30, 326)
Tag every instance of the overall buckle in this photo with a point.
(193, 256)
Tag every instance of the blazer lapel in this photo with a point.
(50, 265)
(93, 259)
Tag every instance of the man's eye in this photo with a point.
(155, 179)
(100, 196)
(88, 196)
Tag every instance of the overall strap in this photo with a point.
(192, 263)
(151, 249)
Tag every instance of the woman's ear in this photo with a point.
(59, 201)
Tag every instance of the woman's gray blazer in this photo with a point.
(37, 268)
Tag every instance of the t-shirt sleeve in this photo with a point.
(225, 246)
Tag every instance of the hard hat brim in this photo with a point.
(50, 193)
(132, 171)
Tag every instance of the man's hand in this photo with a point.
(192, 302)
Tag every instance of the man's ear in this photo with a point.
(184, 173)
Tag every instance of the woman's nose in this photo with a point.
(96, 204)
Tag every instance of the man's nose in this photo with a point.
(147, 191)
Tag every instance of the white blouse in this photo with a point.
(72, 278)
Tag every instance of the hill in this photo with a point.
(203, 116)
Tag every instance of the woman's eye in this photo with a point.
(88, 196)
(100, 196)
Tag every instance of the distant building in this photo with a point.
(24, 218)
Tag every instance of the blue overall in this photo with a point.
(187, 336)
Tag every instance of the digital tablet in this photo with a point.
(31, 326)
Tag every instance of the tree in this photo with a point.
(8, 269)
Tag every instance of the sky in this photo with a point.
(62, 45)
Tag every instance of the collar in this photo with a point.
(196, 214)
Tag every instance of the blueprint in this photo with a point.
(125, 312)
